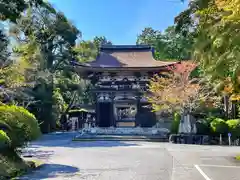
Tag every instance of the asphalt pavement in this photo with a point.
(113, 160)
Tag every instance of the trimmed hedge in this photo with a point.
(203, 126)
(23, 124)
(219, 126)
(234, 127)
(5, 141)
(4, 126)
(12, 165)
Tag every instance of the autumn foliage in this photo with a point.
(231, 88)
(175, 90)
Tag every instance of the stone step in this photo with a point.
(120, 138)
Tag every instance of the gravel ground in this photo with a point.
(112, 160)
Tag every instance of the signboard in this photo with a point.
(229, 139)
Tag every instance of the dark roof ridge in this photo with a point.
(125, 47)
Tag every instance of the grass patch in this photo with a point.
(12, 165)
(237, 157)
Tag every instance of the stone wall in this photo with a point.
(125, 131)
(163, 122)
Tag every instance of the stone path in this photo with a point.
(112, 160)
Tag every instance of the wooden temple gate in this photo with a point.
(120, 75)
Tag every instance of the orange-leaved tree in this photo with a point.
(176, 91)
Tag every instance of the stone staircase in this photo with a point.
(123, 134)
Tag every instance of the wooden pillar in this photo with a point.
(138, 109)
(111, 114)
(112, 111)
(97, 114)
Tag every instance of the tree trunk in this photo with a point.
(234, 110)
(226, 106)
(63, 116)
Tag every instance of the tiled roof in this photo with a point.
(126, 56)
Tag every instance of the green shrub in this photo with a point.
(203, 127)
(234, 127)
(219, 126)
(211, 118)
(12, 165)
(4, 126)
(4, 140)
(175, 123)
(24, 126)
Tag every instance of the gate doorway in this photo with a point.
(104, 114)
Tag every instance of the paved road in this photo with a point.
(131, 160)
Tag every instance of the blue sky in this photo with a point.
(119, 20)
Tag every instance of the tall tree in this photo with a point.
(178, 91)
(168, 45)
(86, 51)
(12, 73)
(216, 25)
(148, 36)
(101, 40)
(45, 40)
(11, 9)
(175, 90)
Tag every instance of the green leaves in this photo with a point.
(11, 9)
(148, 36)
(85, 51)
(219, 126)
(23, 124)
(168, 45)
(216, 45)
(101, 40)
(44, 39)
(5, 141)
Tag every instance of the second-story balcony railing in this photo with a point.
(121, 87)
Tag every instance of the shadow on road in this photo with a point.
(65, 140)
(39, 154)
(52, 170)
(81, 144)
